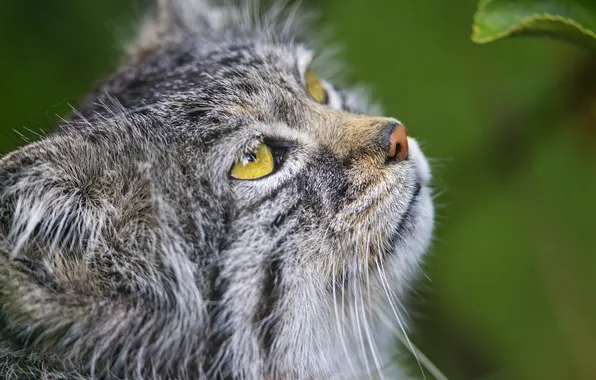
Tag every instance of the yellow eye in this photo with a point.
(315, 88)
(255, 164)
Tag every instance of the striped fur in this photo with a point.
(128, 252)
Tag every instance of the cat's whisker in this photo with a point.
(356, 289)
(437, 194)
(340, 326)
(410, 346)
(345, 282)
(371, 341)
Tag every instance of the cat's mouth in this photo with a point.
(417, 189)
(414, 199)
(405, 222)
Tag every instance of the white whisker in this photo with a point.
(340, 325)
(371, 341)
(397, 316)
(358, 328)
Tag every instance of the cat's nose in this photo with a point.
(396, 141)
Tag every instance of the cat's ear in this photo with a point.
(172, 20)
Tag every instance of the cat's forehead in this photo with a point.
(201, 70)
(251, 50)
(259, 81)
(260, 62)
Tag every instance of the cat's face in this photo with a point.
(329, 187)
(233, 178)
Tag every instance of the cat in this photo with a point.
(214, 210)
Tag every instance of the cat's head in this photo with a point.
(234, 213)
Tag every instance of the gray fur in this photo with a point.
(128, 252)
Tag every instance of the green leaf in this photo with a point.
(571, 20)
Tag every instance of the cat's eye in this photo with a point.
(315, 87)
(254, 164)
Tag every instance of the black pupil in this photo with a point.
(250, 157)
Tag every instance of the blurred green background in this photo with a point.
(510, 127)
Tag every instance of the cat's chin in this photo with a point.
(389, 282)
(421, 217)
(392, 281)
(411, 237)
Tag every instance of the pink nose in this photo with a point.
(398, 143)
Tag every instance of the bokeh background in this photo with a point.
(509, 290)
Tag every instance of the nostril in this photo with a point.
(398, 142)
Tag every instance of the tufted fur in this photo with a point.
(128, 252)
